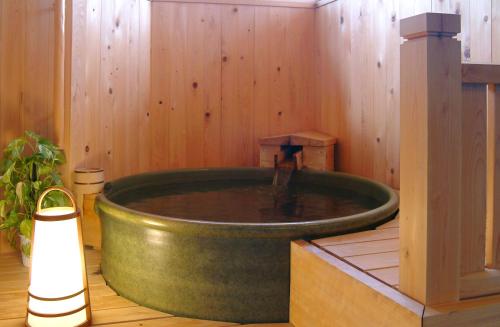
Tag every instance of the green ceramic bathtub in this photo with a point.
(238, 272)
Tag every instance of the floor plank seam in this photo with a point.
(360, 255)
(130, 321)
(364, 241)
(358, 268)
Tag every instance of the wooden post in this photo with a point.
(493, 211)
(431, 85)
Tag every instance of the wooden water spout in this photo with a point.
(312, 149)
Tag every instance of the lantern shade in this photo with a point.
(58, 292)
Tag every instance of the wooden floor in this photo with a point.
(107, 307)
(375, 252)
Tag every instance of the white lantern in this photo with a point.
(58, 294)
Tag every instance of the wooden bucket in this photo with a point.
(88, 184)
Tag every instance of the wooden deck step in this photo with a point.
(327, 290)
(375, 252)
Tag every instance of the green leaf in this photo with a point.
(8, 173)
(12, 221)
(46, 152)
(15, 148)
(60, 158)
(55, 199)
(3, 208)
(20, 193)
(26, 227)
(44, 170)
(37, 185)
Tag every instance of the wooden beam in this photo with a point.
(482, 283)
(430, 158)
(481, 73)
(484, 311)
(311, 4)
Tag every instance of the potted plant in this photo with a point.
(29, 166)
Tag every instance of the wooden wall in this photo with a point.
(26, 68)
(110, 78)
(223, 76)
(156, 85)
(358, 73)
(218, 77)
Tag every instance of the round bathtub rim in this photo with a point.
(105, 207)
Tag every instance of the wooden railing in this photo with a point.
(480, 248)
(450, 166)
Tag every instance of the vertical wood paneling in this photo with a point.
(157, 136)
(11, 68)
(362, 88)
(238, 37)
(365, 114)
(178, 85)
(144, 122)
(27, 45)
(243, 78)
(92, 91)
(386, 93)
(412, 8)
(473, 178)
(480, 30)
(495, 32)
(195, 92)
(110, 85)
(358, 97)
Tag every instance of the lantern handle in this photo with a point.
(52, 189)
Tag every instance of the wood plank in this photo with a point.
(473, 219)
(144, 61)
(493, 200)
(270, 325)
(196, 88)
(161, 41)
(387, 275)
(482, 283)
(481, 73)
(363, 248)
(213, 91)
(391, 224)
(120, 315)
(495, 32)
(412, 8)
(484, 311)
(371, 235)
(238, 37)
(171, 322)
(430, 159)
(480, 31)
(375, 261)
(325, 289)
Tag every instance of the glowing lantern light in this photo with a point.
(58, 293)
